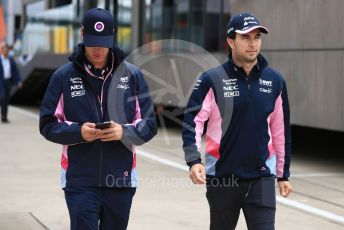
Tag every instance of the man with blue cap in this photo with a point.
(98, 162)
(244, 158)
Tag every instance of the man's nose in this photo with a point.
(252, 42)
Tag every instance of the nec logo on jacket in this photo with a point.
(77, 87)
(230, 87)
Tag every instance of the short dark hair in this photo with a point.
(231, 36)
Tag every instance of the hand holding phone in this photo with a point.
(110, 132)
(89, 133)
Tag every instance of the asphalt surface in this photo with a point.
(165, 198)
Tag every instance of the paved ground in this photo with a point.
(165, 199)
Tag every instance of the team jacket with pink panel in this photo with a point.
(74, 97)
(248, 122)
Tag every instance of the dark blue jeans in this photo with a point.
(93, 208)
(255, 197)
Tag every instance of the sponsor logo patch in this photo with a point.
(124, 79)
(265, 90)
(77, 87)
(230, 87)
(265, 83)
(232, 94)
(123, 86)
(99, 26)
(78, 93)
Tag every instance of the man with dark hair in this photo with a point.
(98, 161)
(248, 142)
(9, 76)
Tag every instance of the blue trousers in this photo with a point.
(5, 98)
(256, 198)
(92, 208)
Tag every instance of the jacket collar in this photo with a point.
(261, 64)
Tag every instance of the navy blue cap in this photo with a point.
(98, 28)
(244, 23)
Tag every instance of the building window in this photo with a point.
(202, 22)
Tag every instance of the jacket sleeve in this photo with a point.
(15, 72)
(195, 115)
(281, 134)
(52, 123)
(144, 127)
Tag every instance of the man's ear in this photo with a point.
(82, 33)
(230, 42)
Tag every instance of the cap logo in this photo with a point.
(249, 18)
(99, 26)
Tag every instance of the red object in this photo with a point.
(2, 25)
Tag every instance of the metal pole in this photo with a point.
(10, 22)
(136, 24)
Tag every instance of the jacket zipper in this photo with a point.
(248, 84)
(101, 165)
(249, 89)
(100, 101)
(101, 147)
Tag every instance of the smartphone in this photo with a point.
(103, 125)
